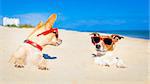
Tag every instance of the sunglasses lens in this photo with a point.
(108, 41)
(95, 39)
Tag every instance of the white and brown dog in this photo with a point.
(32, 47)
(104, 47)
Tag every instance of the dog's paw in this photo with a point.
(43, 68)
(18, 66)
(19, 63)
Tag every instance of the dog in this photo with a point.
(33, 46)
(105, 45)
(106, 61)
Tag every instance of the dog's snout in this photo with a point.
(59, 42)
(98, 46)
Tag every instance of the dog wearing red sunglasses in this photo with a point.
(33, 46)
(105, 45)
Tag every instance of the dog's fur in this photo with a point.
(106, 59)
(27, 51)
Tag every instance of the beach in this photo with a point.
(75, 63)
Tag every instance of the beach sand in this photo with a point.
(75, 63)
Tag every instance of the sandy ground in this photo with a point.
(75, 64)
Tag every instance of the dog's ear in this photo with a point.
(116, 35)
(95, 34)
(121, 37)
(113, 35)
(39, 25)
(49, 23)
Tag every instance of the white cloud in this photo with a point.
(1, 19)
(61, 17)
(35, 18)
(32, 18)
(89, 23)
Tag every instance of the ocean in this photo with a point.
(136, 34)
(142, 34)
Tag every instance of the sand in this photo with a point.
(75, 63)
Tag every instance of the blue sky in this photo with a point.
(81, 14)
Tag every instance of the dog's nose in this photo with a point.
(98, 46)
(59, 42)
